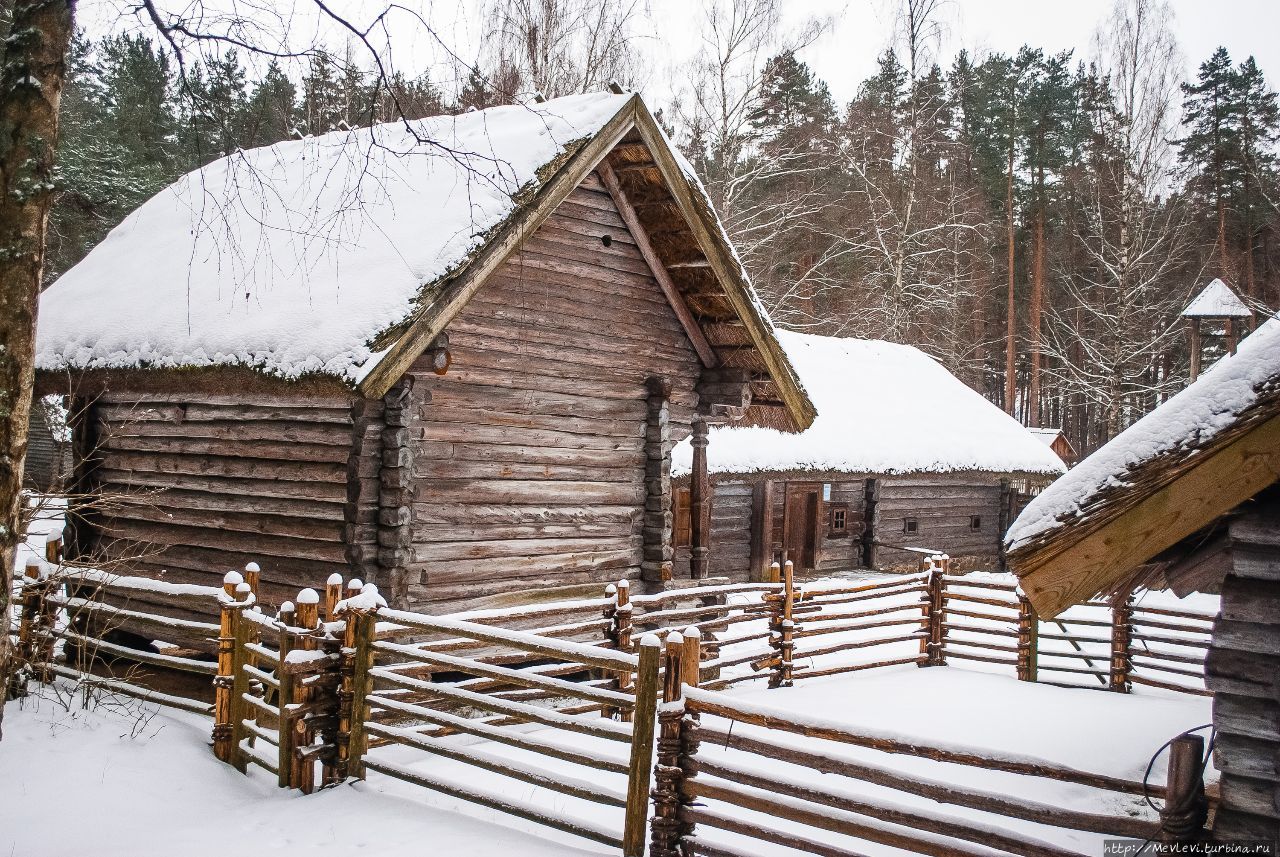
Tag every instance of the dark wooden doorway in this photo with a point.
(800, 524)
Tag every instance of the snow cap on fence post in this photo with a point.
(354, 585)
(286, 613)
(34, 568)
(244, 593)
(230, 581)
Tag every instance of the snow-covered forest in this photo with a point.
(1035, 220)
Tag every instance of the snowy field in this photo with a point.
(161, 792)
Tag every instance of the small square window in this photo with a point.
(837, 520)
(975, 522)
(910, 526)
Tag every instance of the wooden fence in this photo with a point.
(760, 786)
(68, 618)
(335, 684)
(1100, 645)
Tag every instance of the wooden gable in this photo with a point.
(676, 233)
(531, 469)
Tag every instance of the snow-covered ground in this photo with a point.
(161, 792)
(78, 783)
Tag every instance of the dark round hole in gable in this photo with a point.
(606, 240)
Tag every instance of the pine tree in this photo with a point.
(323, 104)
(271, 111)
(1210, 147)
(1258, 123)
(215, 101)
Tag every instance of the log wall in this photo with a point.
(1243, 671)
(193, 485)
(529, 455)
(942, 506)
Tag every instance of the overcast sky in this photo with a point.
(843, 57)
(862, 28)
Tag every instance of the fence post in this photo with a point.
(1185, 806)
(1028, 640)
(691, 656)
(32, 607)
(284, 761)
(640, 771)
(240, 687)
(932, 644)
(357, 659)
(775, 572)
(668, 773)
(1121, 641)
(303, 776)
(619, 633)
(222, 683)
(783, 629)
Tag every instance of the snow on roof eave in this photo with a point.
(1216, 300)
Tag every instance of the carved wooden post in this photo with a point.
(1185, 806)
(640, 771)
(223, 713)
(1028, 640)
(699, 491)
(240, 686)
(656, 564)
(1121, 640)
(666, 829)
(783, 629)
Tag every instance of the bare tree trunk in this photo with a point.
(31, 81)
(1010, 352)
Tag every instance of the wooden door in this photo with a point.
(800, 524)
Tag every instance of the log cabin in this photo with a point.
(1187, 499)
(903, 459)
(1055, 439)
(449, 357)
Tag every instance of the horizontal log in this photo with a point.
(557, 782)
(554, 821)
(943, 791)
(521, 678)
(261, 449)
(150, 533)
(713, 704)
(912, 819)
(779, 805)
(510, 738)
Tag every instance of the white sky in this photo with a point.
(843, 57)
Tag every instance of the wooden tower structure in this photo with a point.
(1216, 302)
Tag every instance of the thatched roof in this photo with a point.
(1169, 475)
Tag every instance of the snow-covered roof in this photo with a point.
(294, 258)
(882, 408)
(1220, 400)
(1216, 301)
(1047, 436)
